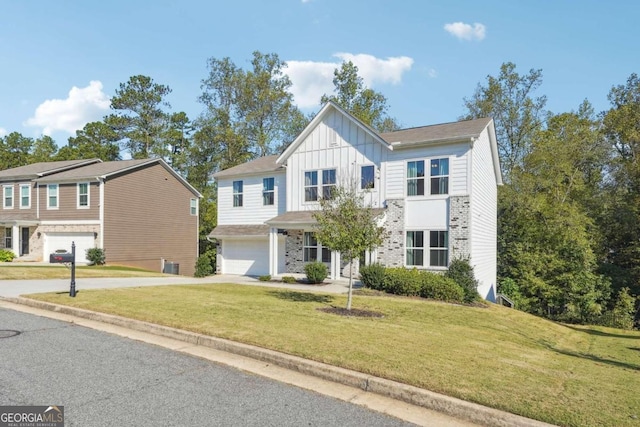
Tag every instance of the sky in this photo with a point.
(62, 60)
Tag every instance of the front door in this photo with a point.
(24, 241)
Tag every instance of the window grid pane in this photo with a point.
(53, 195)
(8, 197)
(439, 248)
(268, 191)
(237, 193)
(440, 176)
(367, 177)
(311, 186)
(415, 245)
(415, 178)
(25, 196)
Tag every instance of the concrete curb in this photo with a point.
(413, 395)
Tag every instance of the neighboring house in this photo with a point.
(141, 212)
(436, 186)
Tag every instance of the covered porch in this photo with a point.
(20, 236)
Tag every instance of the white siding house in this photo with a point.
(436, 185)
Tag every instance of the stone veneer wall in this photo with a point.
(294, 256)
(459, 233)
(391, 253)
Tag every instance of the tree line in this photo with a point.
(568, 212)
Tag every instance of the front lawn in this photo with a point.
(566, 375)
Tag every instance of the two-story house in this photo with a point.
(141, 212)
(436, 187)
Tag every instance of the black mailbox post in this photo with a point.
(67, 258)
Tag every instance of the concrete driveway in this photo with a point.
(14, 288)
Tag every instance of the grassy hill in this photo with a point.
(503, 358)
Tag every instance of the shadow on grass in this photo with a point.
(603, 334)
(593, 358)
(302, 296)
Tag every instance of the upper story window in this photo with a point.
(439, 177)
(83, 195)
(311, 184)
(7, 197)
(367, 177)
(237, 193)
(52, 196)
(438, 249)
(193, 207)
(268, 191)
(25, 196)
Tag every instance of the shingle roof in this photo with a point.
(42, 168)
(94, 170)
(241, 230)
(262, 164)
(434, 133)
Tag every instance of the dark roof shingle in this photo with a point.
(43, 168)
(259, 165)
(434, 133)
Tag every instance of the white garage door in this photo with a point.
(250, 257)
(55, 241)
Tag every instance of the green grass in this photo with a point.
(566, 375)
(22, 272)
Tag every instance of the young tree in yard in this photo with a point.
(347, 226)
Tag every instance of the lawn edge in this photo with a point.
(457, 408)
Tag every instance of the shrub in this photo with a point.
(205, 265)
(437, 286)
(96, 256)
(402, 281)
(316, 272)
(461, 271)
(372, 276)
(289, 279)
(6, 255)
(265, 278)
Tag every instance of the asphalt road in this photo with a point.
(105, 380)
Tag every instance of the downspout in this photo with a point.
(101, 182)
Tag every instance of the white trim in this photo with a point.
(101, 216)
(20, 194)
(78, 206)
(57, 196)
(71, 222)
(4, 189)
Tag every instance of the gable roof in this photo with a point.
(40, 169)
(317, 119)
(99, 171)
(444, 132)
(259, 165)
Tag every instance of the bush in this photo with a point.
(264, 278)
(96, 256)
(372, 276)
(289, 279)
(461, 271)
(6, 255)
(205, 265)
(402, 281)
(437, 286)
(316, 272)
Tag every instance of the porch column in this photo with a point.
(335, 266)
(273, 251)
(15, 240)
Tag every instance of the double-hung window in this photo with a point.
(439, 176)
(8, 238)
(268, 191)
(367, 177)
(415, 178)
(328, 183)
(312, 187)
(237, 193)
(52, 196)
(311, 248)
(438, 249)
(193, 207)
(83, 195)
(7, 197)
(25, 196)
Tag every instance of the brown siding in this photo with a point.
(68, 204)
(146, 218)
(16, 213)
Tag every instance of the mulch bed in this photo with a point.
(354, 312)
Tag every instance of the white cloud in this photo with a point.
(3, 132)
(312, 79)
(466, 31)
(82, 106)
(432, 73)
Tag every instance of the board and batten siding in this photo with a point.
(252, 210)
(335, 143)
(147, 218)
(68, 203)
(484, 201)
